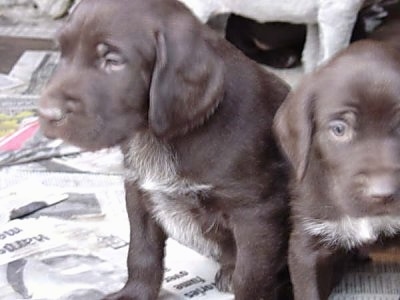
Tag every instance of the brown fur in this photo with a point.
(193, 117)
(340, 130)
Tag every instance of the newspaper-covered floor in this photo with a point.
(63, 225)
(74, 245)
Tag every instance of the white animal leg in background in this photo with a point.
(311, 51)
(336, 21)
(203, 9)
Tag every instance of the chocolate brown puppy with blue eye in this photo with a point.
(340, 129)
(193, 117)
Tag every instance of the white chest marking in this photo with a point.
(153, 166)
(178, 222)
(351, 232)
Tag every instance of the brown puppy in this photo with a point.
(194, 118)
(341, 131)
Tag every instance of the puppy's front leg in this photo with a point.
(261, 241)
(314, 269)
(146, 250)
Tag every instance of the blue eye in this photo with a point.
(338, 128)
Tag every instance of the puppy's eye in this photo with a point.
(340, 130)
(109, 60)
(113, 59)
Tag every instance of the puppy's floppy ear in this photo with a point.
(187, 81)
(293, 126)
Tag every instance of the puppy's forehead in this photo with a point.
(353, 82)
(105, 17)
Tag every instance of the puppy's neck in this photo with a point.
(146, 156)
(152, 163)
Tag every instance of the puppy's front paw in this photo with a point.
(118, 296)
(131, 292)
(121, 295)
(223, 279)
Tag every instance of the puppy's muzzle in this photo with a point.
(51, 114)
(381, 187)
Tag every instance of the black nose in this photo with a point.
(51, 114)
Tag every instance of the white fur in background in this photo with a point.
(329, 22)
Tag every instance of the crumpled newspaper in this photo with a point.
(37, 149)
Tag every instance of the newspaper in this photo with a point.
(55, 259)
(371, 281)
(26, 21)
(24, 199)
(48, 261)
(30, 244)
(19, 93)
(8, 82)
